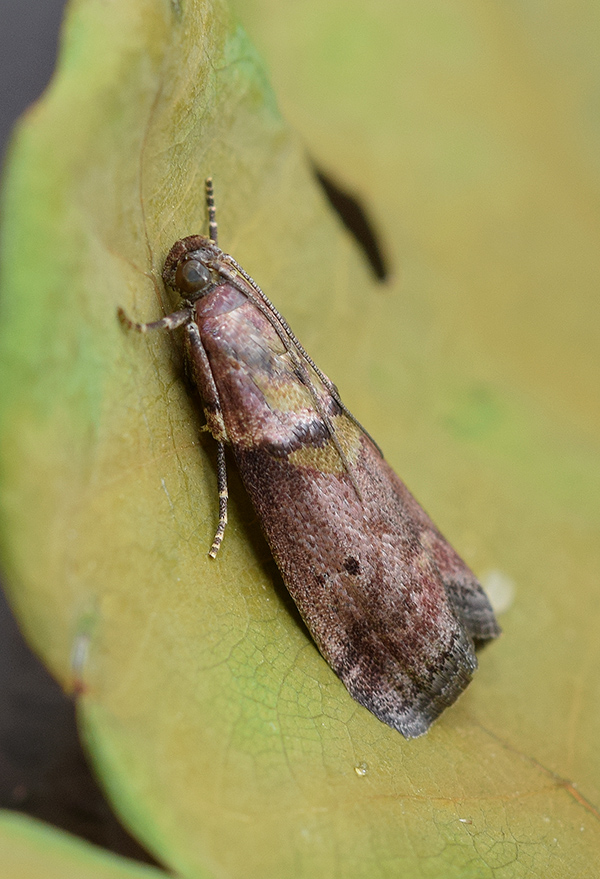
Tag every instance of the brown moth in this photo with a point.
(391, 606)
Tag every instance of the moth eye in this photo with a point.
(192, 276)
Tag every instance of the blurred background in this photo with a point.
(28, 42)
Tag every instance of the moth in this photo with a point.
(389, 603)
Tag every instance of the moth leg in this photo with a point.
(170, 322)
(214, 419)
(203, 377)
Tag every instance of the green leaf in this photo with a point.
(30, 850)
(225, 741)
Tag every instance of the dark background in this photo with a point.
(43, 770)
(28, 42)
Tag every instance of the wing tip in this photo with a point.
(412, 717)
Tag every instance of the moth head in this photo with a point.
(192, 276)
(187, 267)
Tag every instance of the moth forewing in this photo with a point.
(280, 322)
(391, 606)
(303, 364)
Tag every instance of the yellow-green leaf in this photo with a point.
(226, 742)
(32, 850)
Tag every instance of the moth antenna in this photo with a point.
(212, 211)
(223, 498)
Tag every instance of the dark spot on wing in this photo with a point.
(352, 565)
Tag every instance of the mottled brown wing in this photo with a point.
(390, 605)
(463, 588)
(392, 608)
